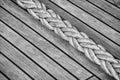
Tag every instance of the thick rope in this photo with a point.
(78, 40)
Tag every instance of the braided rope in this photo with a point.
(78, 40)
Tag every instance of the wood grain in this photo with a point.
(11, 70)
(47, 48)
(2, 77)
(98, 38)
(35, 54)
(113, 1)
(93, 22)
(107, 7)
(27, 65)
(98, 13)
(54, 39)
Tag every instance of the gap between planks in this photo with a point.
(43, 61)
(3, 76)
(23, 17)
(24, 62)
(101, 39)
(113, 35)
(115, 3)
(42, 44)
(10, 70)
(107, 7)
(97, 13)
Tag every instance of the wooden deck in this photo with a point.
(30, 51)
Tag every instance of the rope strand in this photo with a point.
(79, 40)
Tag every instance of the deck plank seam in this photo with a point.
(85, 24)
(78, 20)
(113, 4)
(53, 44)
(4, 75)
(42, 52)
(48, 26)
(93, 16)
(29, 58)
(103, 9)
(16, 64)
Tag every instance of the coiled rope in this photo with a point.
(78, 40)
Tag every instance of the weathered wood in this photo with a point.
(35, 54)
(115, 2)
(92, 33)
(11, 70)
(46, 47)
(107, 7)
(100, 39)
(2, 77)
(28, 66)
(61, 44)
(93, 78)
(98, 13)
(93, 22)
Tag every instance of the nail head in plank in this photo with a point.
(23, 62)
(98, 13)
(22, 15)
(42, 44)
(11, 70)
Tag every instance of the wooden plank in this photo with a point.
(60, 57)
(93, 22)
(27, 65)
(98, 13)
(107, 7)
(65, 47)
(115, 2)
(93, 78)
(11, 70)
(112, 1)
(92, 33)
(2, 77)
(35, 54)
